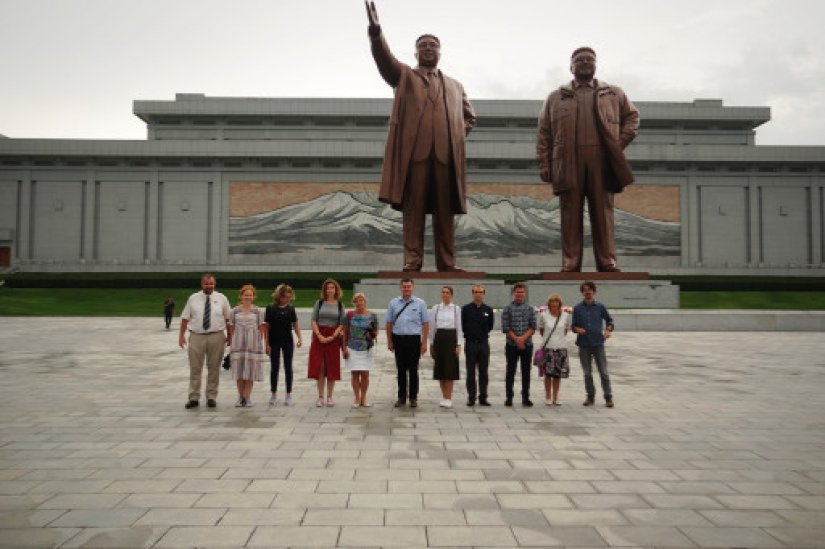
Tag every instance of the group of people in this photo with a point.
(256, 335)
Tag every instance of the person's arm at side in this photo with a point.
(629, 120)
(459, 333)
(184, 322)
(468, 112)
(425, 334)
(577, 323)
(544, 142)
(388, 329)
(227, 315)
(608, 320)
(491, 320)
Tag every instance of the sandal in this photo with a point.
(320, 402)
(355, 405)
(330, 402)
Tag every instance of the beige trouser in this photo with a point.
(211, 347)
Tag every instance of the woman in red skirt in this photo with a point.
(327, 331)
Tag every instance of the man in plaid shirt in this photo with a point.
(518, 322)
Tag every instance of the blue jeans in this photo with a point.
(586, 355)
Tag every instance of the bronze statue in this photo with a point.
(424, 159)
(584, 127)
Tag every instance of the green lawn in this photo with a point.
(117, 302)
(149, 301)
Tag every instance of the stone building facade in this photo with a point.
(290, 184)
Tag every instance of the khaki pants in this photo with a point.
(209, 346)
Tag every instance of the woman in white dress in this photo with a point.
(555, 322)
(360, 334)
(248, 348)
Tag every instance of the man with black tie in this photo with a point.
(207, 317)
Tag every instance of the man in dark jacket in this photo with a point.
(424, 158)
(584, 127)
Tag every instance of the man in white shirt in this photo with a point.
(207, 316)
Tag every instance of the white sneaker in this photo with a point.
(239, 404)
(548, 402)
(288, 400)
(448, 403)
(249, 404)
(273, 400)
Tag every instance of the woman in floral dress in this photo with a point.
(248, 348)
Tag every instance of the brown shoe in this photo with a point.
(588, 402)
(410, 268)
(413, 403)
(609, 402)
(399, 403)
(453, 269)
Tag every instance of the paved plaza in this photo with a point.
(717, 440)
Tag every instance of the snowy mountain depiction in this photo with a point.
(495, 227)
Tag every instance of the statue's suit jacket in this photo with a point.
(411, 89)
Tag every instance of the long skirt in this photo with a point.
(446, 360)
(325, 354)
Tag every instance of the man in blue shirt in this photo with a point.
(593, 324)
(407, 330)
(518, 322)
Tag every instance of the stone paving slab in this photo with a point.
(717, 440)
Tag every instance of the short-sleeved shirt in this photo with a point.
(546, 323)
(358, 326)
(280, 321)
(328, 314)
(220, 312)
(411, 320)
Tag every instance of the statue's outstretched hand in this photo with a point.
(372, 13)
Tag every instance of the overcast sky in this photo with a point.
(71, 68)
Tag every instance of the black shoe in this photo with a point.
(526, 402)
(471, 402)
(588, 402)
(483, 402)
(508, 402)
(191, 404)
(211, 403)
(413, 403)
(399, 403)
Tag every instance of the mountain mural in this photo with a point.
(495, 227)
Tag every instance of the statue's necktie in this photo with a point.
(207, 313)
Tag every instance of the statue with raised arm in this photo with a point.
(424, 160)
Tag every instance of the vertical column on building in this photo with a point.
(694, 222)
(23, 245)
(754, 221)
(686, 224)
(816, 204)
(152, 248)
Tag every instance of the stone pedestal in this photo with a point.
(624, 290)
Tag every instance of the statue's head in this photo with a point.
(428, 50)
(583, 63)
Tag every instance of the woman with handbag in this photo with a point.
(555, 321)
(360, 334)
